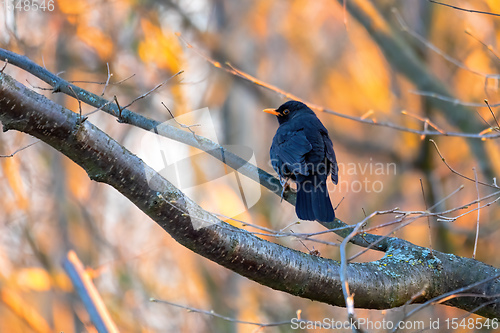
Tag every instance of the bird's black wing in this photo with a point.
(322, 147)
(288, 150)
(330, 155)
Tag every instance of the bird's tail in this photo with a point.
(313, 201)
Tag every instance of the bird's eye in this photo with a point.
(286, 111)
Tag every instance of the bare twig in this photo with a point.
(487, 46)
(450, 100)
(121, 81)
(426, 122)
(479, 207)
(104, 82)
(484, 120)
(178, 123)
(461, 187)
(493, 114)
(4, 65)
(39, 88)
(82, 118)
(339, 203)
(456, 172)
(107, 80)
(463, 9)
(422, 292)
(120, 109)
(428, 217)
(348, 297)
(478, 213)
(20, 149)
(313, 252)
(152, 90)
(281, 233)
(99, 108)
(214, 314)
(490, 128)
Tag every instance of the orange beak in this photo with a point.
(271, 111)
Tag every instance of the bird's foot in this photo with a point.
(285, 186)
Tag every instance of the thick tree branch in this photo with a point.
(390, 282)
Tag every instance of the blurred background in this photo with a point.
(313, 49)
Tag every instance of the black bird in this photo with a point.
(302, 151)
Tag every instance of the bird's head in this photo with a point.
(289, 110)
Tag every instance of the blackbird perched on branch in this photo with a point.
(302, 151)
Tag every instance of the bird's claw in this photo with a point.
(284, 185)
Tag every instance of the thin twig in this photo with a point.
(463, 9)
(348, 297)
(121, 81)
(456, 172)
(281, 233)
(422, 292)
(478, 213)
(104, 82)
(120, 109)
(180, 124)
(107, 80)
(99, 108)
(214, 314)
(81, 119)
(426, 122)
(492, 113)
(461, 187)
(450, 100)
(4, 65)
(484, 120)
(488, 47)
(39, 88)
(20, 149)
(313, 251)
(428, 217)
(152, 90)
